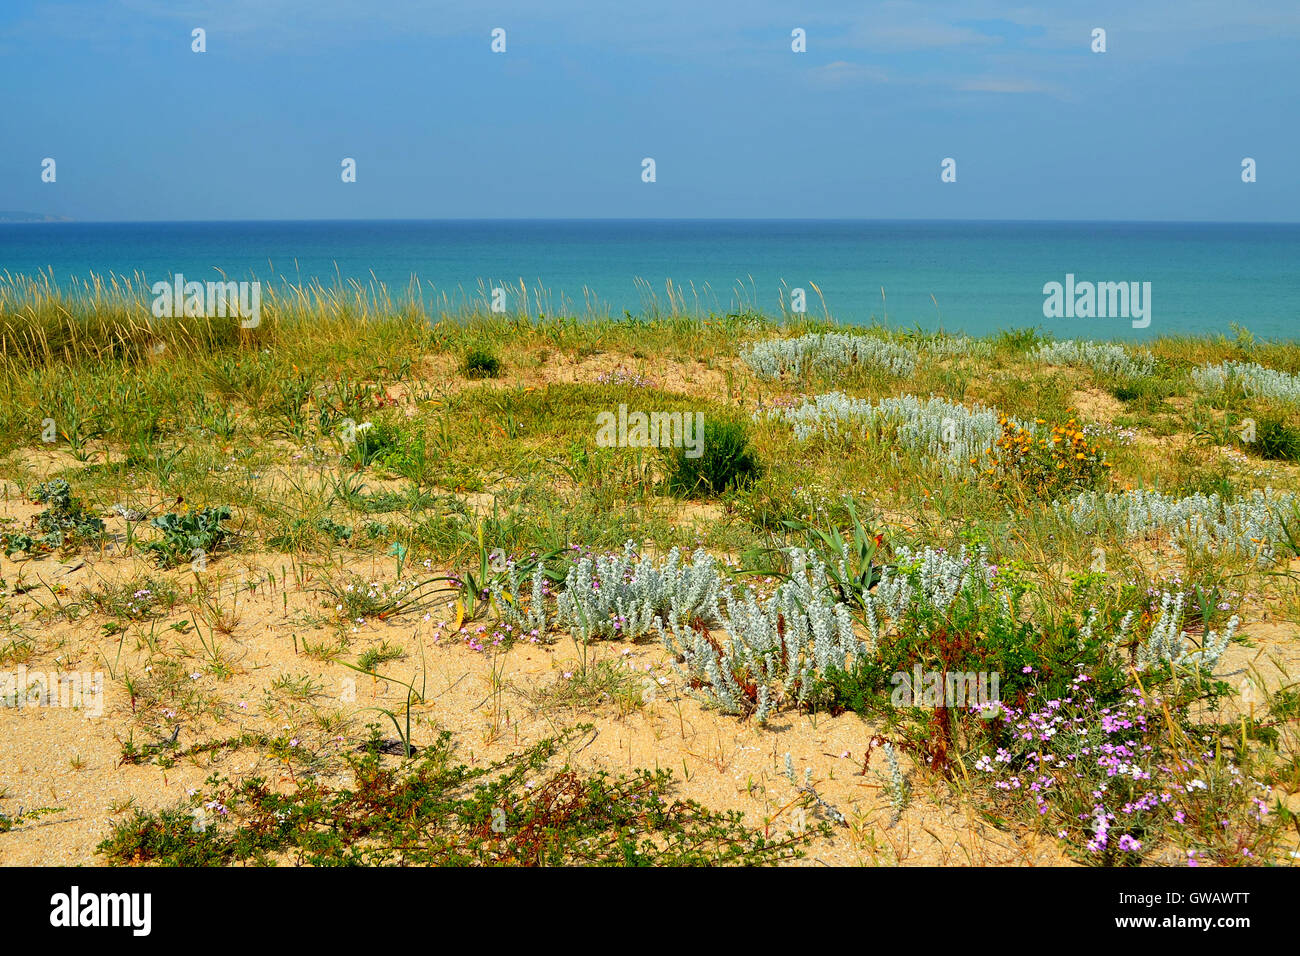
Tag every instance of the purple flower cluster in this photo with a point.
(1105, 773)
(621, 376)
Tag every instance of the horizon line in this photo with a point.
(648, 219)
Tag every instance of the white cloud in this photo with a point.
(994, 84)
(843, 73)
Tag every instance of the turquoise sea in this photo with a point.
(976, 277)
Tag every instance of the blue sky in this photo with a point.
(739, 125)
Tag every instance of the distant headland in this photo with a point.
(8, 216)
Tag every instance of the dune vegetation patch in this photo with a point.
(364, 586)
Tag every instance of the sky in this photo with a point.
(739, 125)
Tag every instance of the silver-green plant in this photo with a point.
(928, 580)
(511, 607)
(776, 647)
(827, 352)
(1105, 357)
(1255, 380)
(808, 790)
(1250, 526)
(1169, 642)
(621, 595)
(943, 431)
(895, 782)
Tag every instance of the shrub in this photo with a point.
(1277, 439)
(433, 811)
(726, 461)
(480, 362)
(1026, 463)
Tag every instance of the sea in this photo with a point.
(960, 277)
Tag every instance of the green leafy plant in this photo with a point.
(18, 542)
(7, 823)
(184, 534)
(480, 362)
(850, 562)
(727, 461)
(1277, 439)
(64, 524)
(338, 532)
(437, 812)
(387, 447)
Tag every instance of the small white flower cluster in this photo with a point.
(779, 645)
(827, 351)
(1256, 380)
(1168, 641)
(1249, 525)
(378, 593)
(623, 595)
(1104, 357)
(942, 430)
(1110, 432)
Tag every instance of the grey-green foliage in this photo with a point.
(510, 605)
(1169, 642)
(957, 346)
(778, 646)
(944, 431)
(622, 595)
(930, 579)
(1255, 380)
(827, 352)
(896, 783)
(1249, 526)
(1105, 357)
